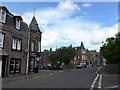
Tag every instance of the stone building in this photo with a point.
(14, 33)
(13, 43)
(81, 54)
(35, 44)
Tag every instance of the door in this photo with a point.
(3, 66)
(0, 68)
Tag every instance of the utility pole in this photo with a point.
(28, 52)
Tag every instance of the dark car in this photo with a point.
(84, 65)
(56, 67)
(42, 67)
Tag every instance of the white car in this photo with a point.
(80, 65)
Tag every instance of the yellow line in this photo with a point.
(40, 76)
(115, 86)
(111, 75)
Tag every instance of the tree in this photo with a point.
(111, 49)
(62, 55)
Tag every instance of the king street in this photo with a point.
(74, 78)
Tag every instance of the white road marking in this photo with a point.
(97, 70)
(50, 73)
(60, 71)
(100, 79)
(93, 84)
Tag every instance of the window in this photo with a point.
(15, 65)
(1, 40)
(32, 46)
(2, 15)
(19, 44)
(12, 66)
(32, 62)
(83, 57)
(16, 44)
(17, 23)
(39, 46)
(83, 51)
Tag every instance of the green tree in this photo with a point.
(62, 55)
(111, 49)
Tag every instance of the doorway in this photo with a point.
(4, 65)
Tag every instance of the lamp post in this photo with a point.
(28, 52)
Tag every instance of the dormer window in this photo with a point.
(2, 15)
(17, 23)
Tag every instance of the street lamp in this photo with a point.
(28, 52)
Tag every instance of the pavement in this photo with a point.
(19, 77)
(110, 69)
(111, 73)
(31, 75)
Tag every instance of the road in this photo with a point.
(74, 78)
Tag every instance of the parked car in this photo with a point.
(80, 65)
(56, 67)
(42, 66)
(84, 65)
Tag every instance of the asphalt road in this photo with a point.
(75, 78)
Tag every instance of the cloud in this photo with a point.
(68, 6)
(86, 5)
(61, 26)
(101, 34)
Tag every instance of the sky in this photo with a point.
(66, 22)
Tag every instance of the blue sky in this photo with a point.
(65, 23)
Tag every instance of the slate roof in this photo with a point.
(78, 49)
(82, 45)
(34, 25)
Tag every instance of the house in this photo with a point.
(45, 56)
(35, 44)
(17, 42)
(81, 55)
(13, 38)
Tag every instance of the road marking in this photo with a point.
(40, 76)
(97, 70)
(50, 73)
(60, 71)
(115, 86)
(93, 84)
(100, 79)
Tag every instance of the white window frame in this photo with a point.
(18, 66)
(14, 43)
(39, 46)
(1, 15)
(17, 23)
(13, 66)
(2, 40)
(19, 44)
(32, 46)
